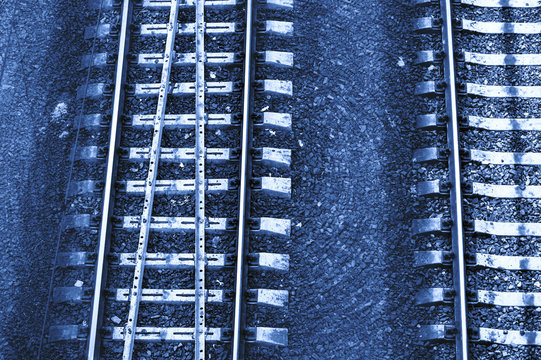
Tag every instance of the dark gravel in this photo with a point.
(39, 49)
(352, 281)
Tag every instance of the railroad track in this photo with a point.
(480, 190)
(155, 250)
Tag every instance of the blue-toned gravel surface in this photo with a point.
(352, 284)
(38, 70)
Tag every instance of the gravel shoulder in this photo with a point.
(353, 284)
(39, 55)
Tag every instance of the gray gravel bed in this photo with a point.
(505, 318)
(505, 141)
(495, 351)
(498, 43)
(506, 210)
(505, 280)
(78, 241)
(437, 206)
(510, 108)
(436, 277)
(500, 75)
(503, 174)
(505, 245)
(433, 242)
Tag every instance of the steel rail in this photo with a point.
(150, 185)
(457, 229)
(200, 153)
(244, 191)
(96, 317)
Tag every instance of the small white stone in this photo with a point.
(537, 284)
(401, 62)
(60, 110)
(299, 225)
(116, 319)
(78, 283)
(301, 144)
(212, 75)
(272, 133)
(265, 109)
(64, 134)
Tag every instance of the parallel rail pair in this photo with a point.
(201, 224)
(460, 227)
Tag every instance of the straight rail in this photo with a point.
(150, 186)
(96, 317)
